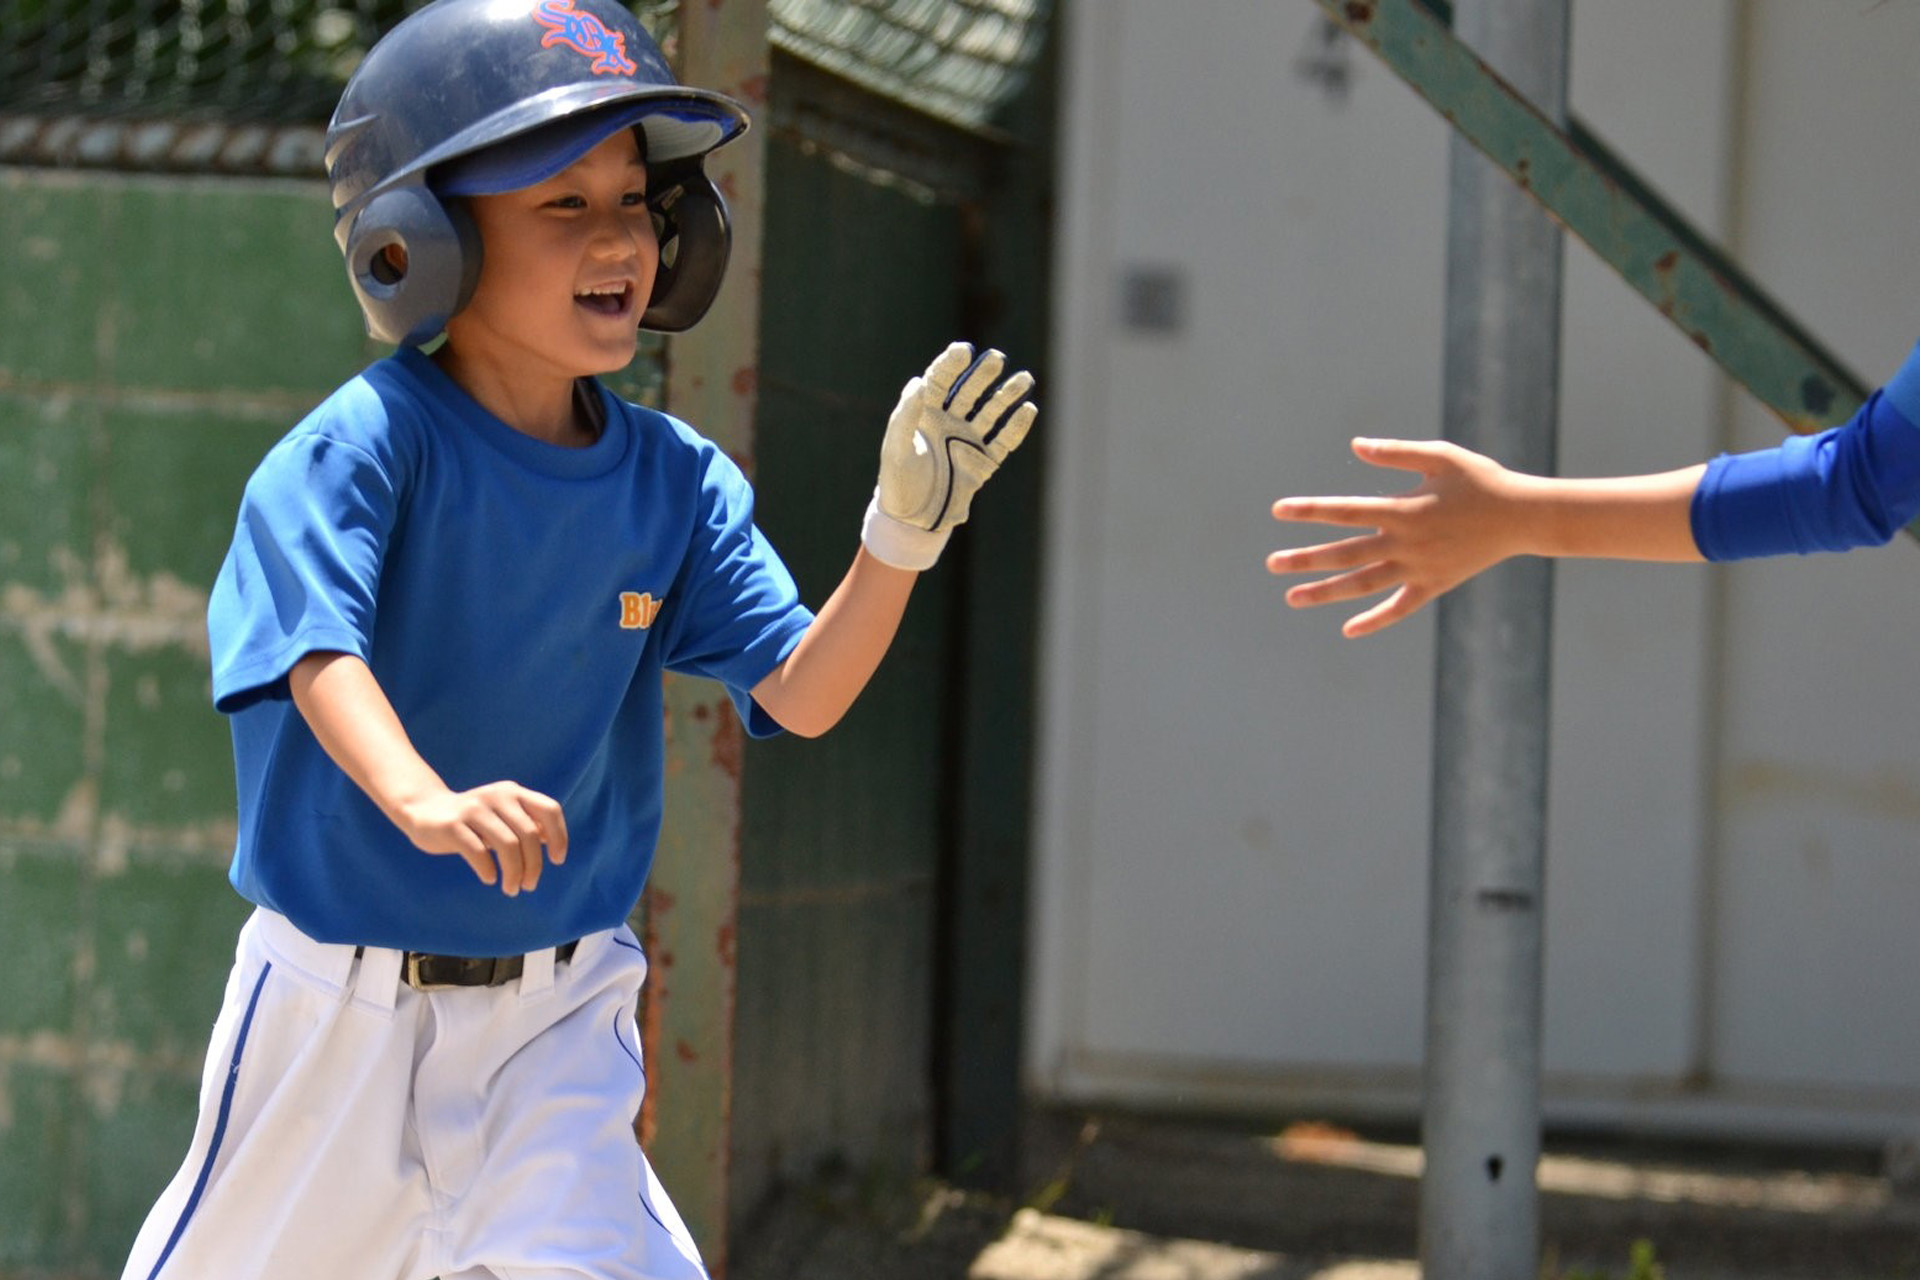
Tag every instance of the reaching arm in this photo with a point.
(949, 433)
(502, 821)
(1468, 514)
(812, 689)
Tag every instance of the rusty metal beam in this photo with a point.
(693, 894)
(1593, 194)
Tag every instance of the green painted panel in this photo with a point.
(163, 931)
(845, 1023)
(173, 480)
(129, 1142)
(45, 478)
(978, 1053)
(40, 890)
(51, 268)
(843, 837)
(169, 758)
(35, 1138)
(42, 676)
(230, 287)
(45, 474)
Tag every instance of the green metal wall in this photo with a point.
(840, 839)
(883, 866)
(155, 337)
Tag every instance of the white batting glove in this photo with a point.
(952, 429)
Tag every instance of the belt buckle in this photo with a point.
(419, 983)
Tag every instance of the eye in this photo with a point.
(632, 198)
(569, 201)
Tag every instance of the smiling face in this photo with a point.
(566, 270)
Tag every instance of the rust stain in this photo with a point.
(754, 89)
(659, 901)
(1887, 795)
(744, 380)
(729, 945)
(728, 746)
(1666, 262)
(685, 1052)
(1358, 12)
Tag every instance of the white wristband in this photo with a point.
(897, 543)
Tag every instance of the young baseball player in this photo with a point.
(1854, 485)
(439, 635)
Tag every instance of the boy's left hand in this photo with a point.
(952, 429)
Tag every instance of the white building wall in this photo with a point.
(1233, 805)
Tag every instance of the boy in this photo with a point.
(439, 635)
(1854, 485)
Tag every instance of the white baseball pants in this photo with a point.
(351, 1126)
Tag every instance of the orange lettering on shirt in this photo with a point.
(638, 610)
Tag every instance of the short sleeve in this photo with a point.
(735, 611)
(1849, 486)
(303, 573)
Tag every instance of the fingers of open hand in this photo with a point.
(1375, 576)
(974, 382)
(990, 404)
(1402, 603)
(947, 371)
(1345, 553)
(1008, 414)
(1421, 456)
(1350, 512)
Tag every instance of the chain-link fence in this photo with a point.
(190, 85)
(246, 86)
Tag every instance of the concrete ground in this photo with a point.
(1116, 1197)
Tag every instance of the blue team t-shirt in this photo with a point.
(1854, 485)
(518, 602)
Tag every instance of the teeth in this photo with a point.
(607, 291)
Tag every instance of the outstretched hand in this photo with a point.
(949, 433)
(1457, 522)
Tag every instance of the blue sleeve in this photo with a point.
(1853, 485)
(303, 572)
(736, 613)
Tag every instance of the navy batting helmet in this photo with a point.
(471, 97)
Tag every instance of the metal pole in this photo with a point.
(1479, 1217)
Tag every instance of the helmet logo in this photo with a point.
(585, 34)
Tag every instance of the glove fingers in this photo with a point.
(974, 384)
(1012, 428)
(946, 370)
(1000, 406)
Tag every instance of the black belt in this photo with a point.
(424, 971)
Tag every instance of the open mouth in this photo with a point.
(607, 299)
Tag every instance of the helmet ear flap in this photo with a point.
(696, 238)
(413, 262)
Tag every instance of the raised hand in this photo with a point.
(949, 433)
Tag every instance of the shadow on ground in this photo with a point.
(1125, 1197)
